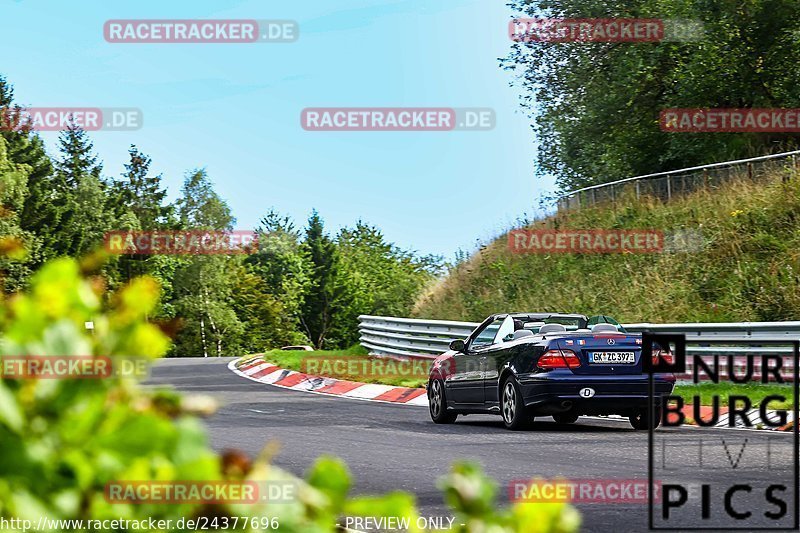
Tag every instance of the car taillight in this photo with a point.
(558, 359)
(664, 355)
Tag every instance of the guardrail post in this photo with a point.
(669, 188)
(637, 189)
(750, 171)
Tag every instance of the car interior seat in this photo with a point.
(522, 333)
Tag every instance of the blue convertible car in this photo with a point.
(523, 365)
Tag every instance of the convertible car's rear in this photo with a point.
(600, 373)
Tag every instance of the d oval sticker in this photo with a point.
(587, 392)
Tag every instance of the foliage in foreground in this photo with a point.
(62, 440)
(741, 262)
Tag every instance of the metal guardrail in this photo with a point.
(410, 337)
(748, 330)
(665, 185)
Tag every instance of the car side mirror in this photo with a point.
(457, 345)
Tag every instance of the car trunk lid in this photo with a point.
(606, 353)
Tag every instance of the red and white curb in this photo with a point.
(256, 369)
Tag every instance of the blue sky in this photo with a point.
(235, 108)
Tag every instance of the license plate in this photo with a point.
(612, 358)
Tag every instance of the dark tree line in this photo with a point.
(596, 105)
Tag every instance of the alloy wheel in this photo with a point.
(436, 398)
(509, 402)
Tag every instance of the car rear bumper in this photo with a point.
(553, 393)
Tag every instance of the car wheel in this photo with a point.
(437, 403)
(642, 419)
(515, 414)
(565, 418)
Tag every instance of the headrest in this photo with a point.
(522, 333)
(604, 328)
(529, 325)
(552, 328)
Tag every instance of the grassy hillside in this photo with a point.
(746, 265)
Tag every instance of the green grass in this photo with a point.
(756, 392)
(743, 268)
(293, 360)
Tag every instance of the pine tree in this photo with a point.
(77, 157)
(40, 212)
(84, 218)
(142, 193)
(326, 292)
(14, 242)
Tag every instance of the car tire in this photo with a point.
(642, 419)
(512, 408)
(437, 404)
(565, 418)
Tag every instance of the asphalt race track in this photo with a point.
(390, 447)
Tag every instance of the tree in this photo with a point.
(40, 212)
(382, 278)
(203, 284)
(265, 317)
(204, 293)
(142, 193)
(81, 194)
(327, 293)
(14, 260)
(200, 207)
(137, 202)
(78, 160)
(282, 263)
